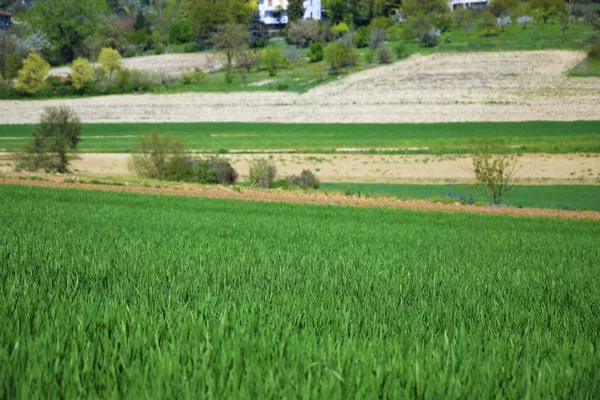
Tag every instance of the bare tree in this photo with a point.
(494, 171)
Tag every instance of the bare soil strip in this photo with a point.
(276, 196)
(487, 86)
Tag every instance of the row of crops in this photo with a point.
(123, 295)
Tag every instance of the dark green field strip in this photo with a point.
(545, 136)
(121, 295)
(566, 197)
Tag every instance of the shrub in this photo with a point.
(59, 132)
(316, 52)
(109, 61)
(245, 59)
(340, 29)
(303, 32)
(340, 55)
(495, 172)
(274, 59)
(193, 77)
(381, 22)
(318, 72)
(178, 168)
(362, 37)
(151, 154)
(203, 173)
(82, 72)
(369, 56)
(190, 48)
(377, 37)
(32, 77)
(306, 179)
(400, 51)
(180, 32)
(384, 55)
(223, 171)
(429, 38)
(160, 49)
(262, 173)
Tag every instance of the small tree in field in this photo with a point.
(110, 61)
(495, 172)
(82, 72)
(59, 133)
(488, 22)
(32, 77)
(153, 156)
(230, 38)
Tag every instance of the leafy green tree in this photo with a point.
(110, 61)
(66, 23)
(495, 172)
(463, 17)
(180, 32)
(544, 9)
(230, 38)
(502, 7)
(82, 72)
(487, 22)
(274, 59)
(32, 77)
(295, 10)
(58, 134)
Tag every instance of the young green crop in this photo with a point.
(122, 295)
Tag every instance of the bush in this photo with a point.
(340, 55)
(384, 55)
(203, 173)
(262, 173)
(159, 49)
(378, 36)
(274, 59)
(316, 52)
(400, 51)
(59, 132)
(494, 172)
(369, 56)
(245, 59)
(429, 38)
(223, 171)
(306, 179)
(362, 37)
(193, 77)
(180, 32)
(303, 32)
(32, 77)
(178, 168)
(152, 153)
(190, 47)
(340, 29)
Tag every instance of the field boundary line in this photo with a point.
(220, 192)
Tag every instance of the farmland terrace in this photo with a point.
(501, 86)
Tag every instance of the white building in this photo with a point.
(274, 12)
(477, 4)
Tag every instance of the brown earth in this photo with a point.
(486, 86)
(370, 168)
(309, 198)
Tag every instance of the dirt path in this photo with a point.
(502, 86)
(313, 198)
(370, 168)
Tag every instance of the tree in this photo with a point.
(544, 9)
(82, 72)
(503, 21)
(463, 17)
(274, 59)
(10, 58)
(66, 23)
(524, 21)
(488, 22)
(258, 33)
(59, 133)
(110, 61)
(295, 10)
(502, 7)
(230, 38)
(152, 155)
(180, 32)
(495, 172)
(303, 32)
(32, 77)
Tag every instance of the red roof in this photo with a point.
(4, 13)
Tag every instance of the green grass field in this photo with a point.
(568, 197)
(130, 296)
(439, 138)
(588, 67)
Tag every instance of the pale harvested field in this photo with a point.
(503, 86)
(169, 64)
(533, 168)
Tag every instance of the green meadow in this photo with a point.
(438, 138)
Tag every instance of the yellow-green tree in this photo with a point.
(32, 77)
(110, 61)
(81, 73)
